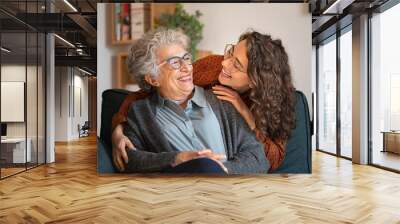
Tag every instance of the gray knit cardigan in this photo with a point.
(244, 153)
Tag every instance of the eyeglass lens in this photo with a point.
(176, 62)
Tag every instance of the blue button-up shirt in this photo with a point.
(192, 129)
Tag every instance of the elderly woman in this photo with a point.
(182, 127)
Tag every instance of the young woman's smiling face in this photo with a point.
(234, 67)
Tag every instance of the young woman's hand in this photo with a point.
(119, 145)
(224, 93)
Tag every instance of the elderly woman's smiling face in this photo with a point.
(175, 78)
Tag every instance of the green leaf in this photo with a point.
(190, 24)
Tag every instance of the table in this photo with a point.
(13, 150)
(391, 141)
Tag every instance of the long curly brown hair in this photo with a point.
(272, 94)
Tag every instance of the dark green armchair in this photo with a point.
(298, 149)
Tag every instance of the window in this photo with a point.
(327, 97)
(346, 94)
(385, 88)
(22, 75)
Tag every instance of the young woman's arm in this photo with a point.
(274, 150)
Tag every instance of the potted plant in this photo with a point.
(189, 24)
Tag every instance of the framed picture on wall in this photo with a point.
(12, 101)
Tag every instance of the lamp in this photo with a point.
(337, 7)
(70, 5)
(5, 49)
(84, 71)
(64, 40)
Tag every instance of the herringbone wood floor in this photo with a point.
(70, 191)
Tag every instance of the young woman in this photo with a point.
(254, 76)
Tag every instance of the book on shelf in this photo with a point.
(137, 20)
(117, 21)
(129, 21)
(126, 21)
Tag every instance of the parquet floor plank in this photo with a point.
(70, 191)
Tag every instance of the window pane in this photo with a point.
(22, 76)
(31, 99)
(346, 94)
(327, 97)
(385, 86)
(15, 150)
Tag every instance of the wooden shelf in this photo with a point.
(152, 12)
(122, 76)
(147, 20)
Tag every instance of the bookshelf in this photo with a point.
(124, 29)
(151, 12)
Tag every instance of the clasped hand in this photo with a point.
(121, 144)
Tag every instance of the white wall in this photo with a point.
(224, 22)
(61, 104)
(80, 82)
(104, 63)
(106, 58)
(67, 82)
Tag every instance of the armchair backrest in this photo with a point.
(298, 148)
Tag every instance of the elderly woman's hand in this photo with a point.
(227, 94)
(119, 144)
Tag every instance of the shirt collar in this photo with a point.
(159, 100)
(198, 98)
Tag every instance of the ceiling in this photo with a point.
(76, 24)
(330, 15)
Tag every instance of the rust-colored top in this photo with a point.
(205, 74)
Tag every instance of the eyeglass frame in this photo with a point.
(181, 59)
(228, 51)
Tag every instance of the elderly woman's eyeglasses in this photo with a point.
(228, 54)
(176, 61)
